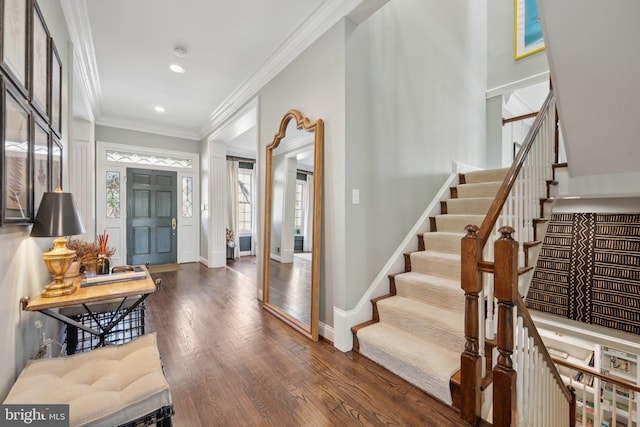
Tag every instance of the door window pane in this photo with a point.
(244, 201)
(297, 220)
(187, 197)
(113, 194)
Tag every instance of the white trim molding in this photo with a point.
(77, 16)
(519, 84)
(309, 30)
(188, 229)
(134, 125)
(325, 331)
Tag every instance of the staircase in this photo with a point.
(417, 330)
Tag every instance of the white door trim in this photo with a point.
(188, 229)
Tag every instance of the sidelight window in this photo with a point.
(245, 190)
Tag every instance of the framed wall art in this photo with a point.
(527, 29)
(40, 64)
(16, 150)
(30, 111)
(56, 164)
(56, 89)
(14, 42)
(41, 162)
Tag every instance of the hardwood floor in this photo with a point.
(290, 287)
(230, 363)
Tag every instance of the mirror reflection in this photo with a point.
(291, 220)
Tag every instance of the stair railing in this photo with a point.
(526, 383)
(616, 393)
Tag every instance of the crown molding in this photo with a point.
(77, 17)
(136, 126)
(318, 23)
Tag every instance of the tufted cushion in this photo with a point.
(104, 387)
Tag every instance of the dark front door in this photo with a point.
(151, 216)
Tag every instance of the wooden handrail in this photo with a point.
(518, 118)
(607, 378)
(504, 190)
(503, 290)
(527, 321)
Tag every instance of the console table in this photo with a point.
(138, 289)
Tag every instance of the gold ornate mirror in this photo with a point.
(293, 202)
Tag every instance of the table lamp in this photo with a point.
(58, 217)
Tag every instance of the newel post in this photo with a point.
(506, 290)
(470, 360)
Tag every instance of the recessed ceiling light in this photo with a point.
(176, 68)
(159, 109)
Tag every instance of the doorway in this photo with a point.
(151, 216)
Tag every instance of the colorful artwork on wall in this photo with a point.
(527, 29)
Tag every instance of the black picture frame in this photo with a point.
(15, 42)
(16, 153)
(55, 74)
(40, 64)
(56, 163)
(41, 162)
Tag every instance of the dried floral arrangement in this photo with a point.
(87, 252)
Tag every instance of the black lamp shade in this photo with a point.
(57, 216)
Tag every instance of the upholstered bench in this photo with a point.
(110, 386)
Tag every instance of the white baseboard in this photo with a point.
(325, 331)
(342, 322)
(204, 261)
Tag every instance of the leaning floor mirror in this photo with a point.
(293, 208)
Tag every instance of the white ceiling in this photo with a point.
(233, 48)
(592, 46)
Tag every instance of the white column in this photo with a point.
(217, 256)
(81, 173)
(288, 211)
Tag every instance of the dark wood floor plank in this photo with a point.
(230, 363)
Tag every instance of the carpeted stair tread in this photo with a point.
(443, 241)
(457, 223)
(485, 175)
(420, 333)
(436, 263)
(425, 364)
(482, 189)
(469, 206)
(430, 289)
(429, 322)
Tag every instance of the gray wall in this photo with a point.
(145, 139)
(314, 83)
(22, 271)
(501, 67)
(416, 81)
